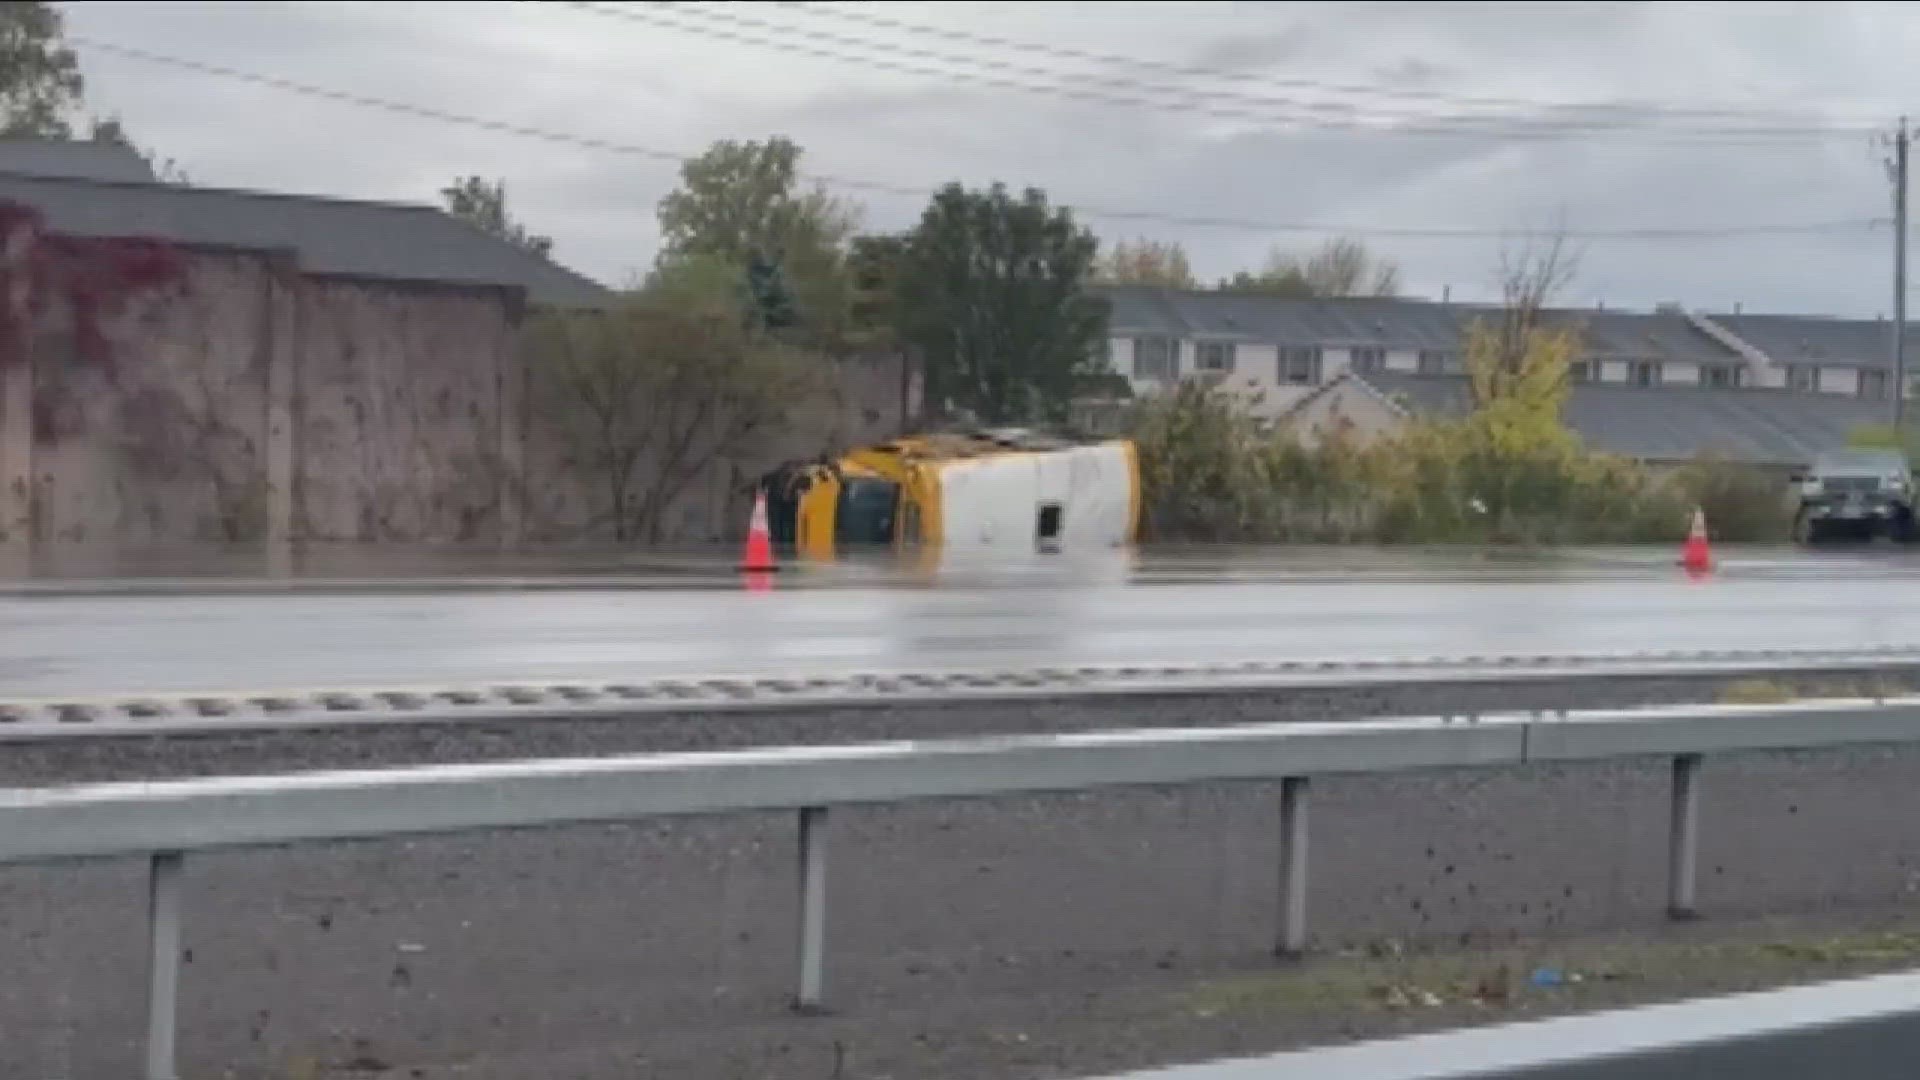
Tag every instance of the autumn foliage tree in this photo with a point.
(1146, 262)
(1510, 468)
(1340, 267)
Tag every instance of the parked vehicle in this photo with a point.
(1855, 495)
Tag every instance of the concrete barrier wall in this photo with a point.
(257, 402)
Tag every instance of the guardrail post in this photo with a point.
(163, 962)
(813, 909)
(1293, 868)
(1683, 844)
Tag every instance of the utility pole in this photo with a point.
(1900, 141)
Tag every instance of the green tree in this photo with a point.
(873, 264)
(1146, 262)
(1340, 267)
(40, 83)
(111, 131)
(42, 90)
(772, 307)
(994, 301)
(742, 201)
(484, 206)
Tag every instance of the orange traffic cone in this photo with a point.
(1695, 556)
(759, 556)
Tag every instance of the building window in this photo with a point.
(1580, 371)
(1643, 373)
(1873, 383)
(1155, 358)
(1723, 376)
(1367, 359)
(1803, 377)
(1300, 364)
(1438, 362)
(1214, 356)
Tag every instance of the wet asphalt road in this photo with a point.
(106, 644)
(1032, 937)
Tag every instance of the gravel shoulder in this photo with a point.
(137, 757)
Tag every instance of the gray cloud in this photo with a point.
(558, 68)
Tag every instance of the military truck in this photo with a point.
(1855, 495)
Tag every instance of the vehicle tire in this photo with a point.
(1900, 528)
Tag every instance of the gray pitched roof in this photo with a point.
(1810, 339)
(1143, 308)
(75, 160)
(1646, 336)
(1392, 323)
(1771, 427)
(387, 241)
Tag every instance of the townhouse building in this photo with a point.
(1664, 385)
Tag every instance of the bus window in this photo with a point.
(1047, 529)
(866, 511)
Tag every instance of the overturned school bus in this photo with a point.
(1006, 488)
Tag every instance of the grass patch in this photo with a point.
(1558, 976)
(1772, 692)
(1757, 692)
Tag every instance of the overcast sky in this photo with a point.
(1253, 115)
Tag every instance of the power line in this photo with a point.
(591, 142)
(346, 97)
(867, 18)
(1266, 110)
(675, 16)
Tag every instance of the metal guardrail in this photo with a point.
(166, 820)
(1857, 1029)
(23, 719)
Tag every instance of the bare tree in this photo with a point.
(1533, 273)
(1522, 348)
(1344, 267)
(652, 396)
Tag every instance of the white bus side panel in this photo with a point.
(994, 502)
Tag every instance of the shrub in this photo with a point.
(1211, 472)
(1509, 471)
(1742, 503)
